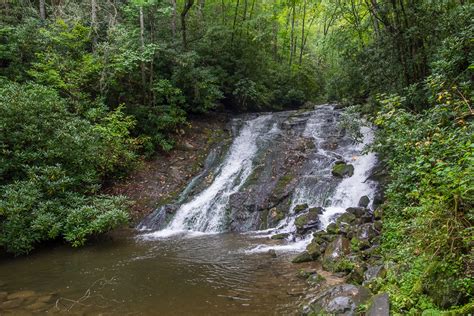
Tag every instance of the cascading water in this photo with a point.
(262, 143)
(206, 211)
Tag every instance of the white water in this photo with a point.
(206, 211)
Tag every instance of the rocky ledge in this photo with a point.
(348, 248)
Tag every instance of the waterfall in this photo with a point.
(206, 211)
(210, 210)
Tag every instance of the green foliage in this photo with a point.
(428, 217)
(51, 160)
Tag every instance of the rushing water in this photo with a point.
(191, 265)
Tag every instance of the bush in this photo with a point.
(50, 162)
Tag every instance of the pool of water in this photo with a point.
(125, 275)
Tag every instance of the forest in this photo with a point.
(90, 88)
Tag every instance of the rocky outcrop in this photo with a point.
(342, 169)
(340, 299)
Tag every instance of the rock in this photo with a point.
(364, 201)
(272, 253)
(378, 213)
(280, 236)
(302, 257)
(331, 228)
(304, 274)
(21, 294)
(315, 279)
(46, 298)
(37, 306)
(379, 305)
(347, 218)
(341, 170)
(378, 200)
(373, 272)
(188, 146)
(3, 296)
(335, 252)
(300, 208)
(357, 211)
(316, 247)
(14, 303)
(340, 299)
(378, 226)
(308, 221)
(366, 232)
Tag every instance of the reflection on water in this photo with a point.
(203, 275)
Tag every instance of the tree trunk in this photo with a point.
(292, 34)
(94, 23)
(187, 6)
(302, 33)
(235, 20)
(173, 19)
(142, 45)
(42, 10)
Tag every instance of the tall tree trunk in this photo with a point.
(173, 18)
(235, 20)
(142, 45)
(292, 34)
(42, 9)
(187, 6)
(94, 23)
(302, 34)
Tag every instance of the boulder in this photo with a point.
(280, 236)
(331, 228)
(373, 272)
(342, 169)
(316, 247)
(347, 218)
(364, 201)
(335, 252)
(366, 232)
(272, 253)
(379, 305)
(315, 279)
(308, 221)
(300, 208)
(302, 257)
(340, 299)
(357, 211)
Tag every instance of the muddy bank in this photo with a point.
(159, 179)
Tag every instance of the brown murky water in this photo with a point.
(205, 275)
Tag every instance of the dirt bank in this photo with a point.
(157, 180)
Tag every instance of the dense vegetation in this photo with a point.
(87, 86)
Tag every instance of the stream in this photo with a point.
(207, 253)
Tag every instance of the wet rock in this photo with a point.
(304, 273)
(373, 272)
(364, 201)
(342, 169)
(366, 232)
(356, 276)
(46, 298)
(378, 213)
(13, 303)
(315, 279)
(3, 296)
(378, 226)
(347, 218)
(378, 200)
(316, 247)
(379, 305)
(21, 294)
(366, 218)
(308, 221)
(272, 253)
(302, 257)
(300, 208)
(335, 252)
(280, 236)
(37, 306)
(340, 299)
(357, 211)
(331, 228)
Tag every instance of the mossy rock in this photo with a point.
(334, 258)
(280, 236)
(346, 218)
(308, 221)
(316, 247)
(302, 257)
(315, 279)
(342, 170)
(300, 208)
(331, 228)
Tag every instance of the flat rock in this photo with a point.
(379, 305)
